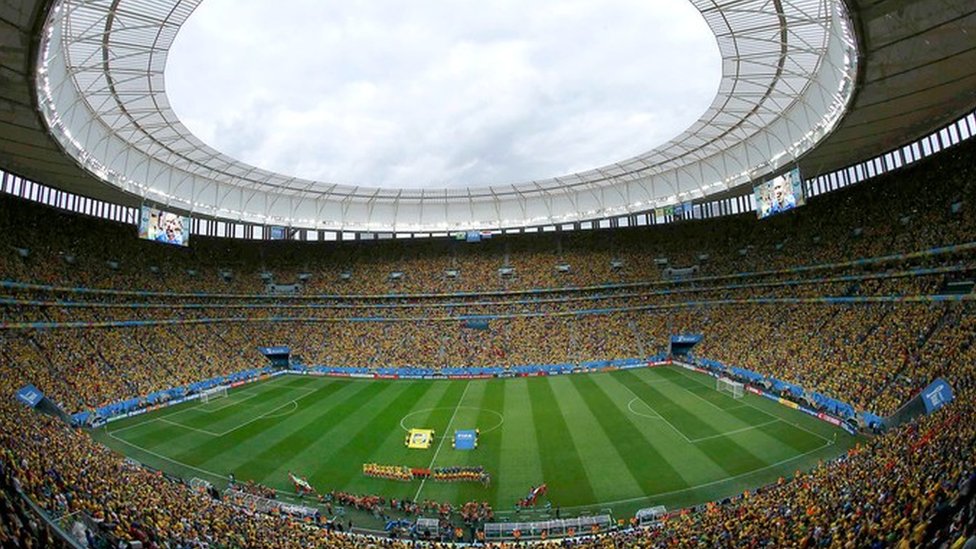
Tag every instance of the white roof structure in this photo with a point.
(789, 68)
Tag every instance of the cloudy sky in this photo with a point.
(449, 94)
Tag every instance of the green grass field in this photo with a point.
(620, 440)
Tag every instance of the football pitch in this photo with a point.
(614, 441)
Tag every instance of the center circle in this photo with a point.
(444, 94)
(501, 418)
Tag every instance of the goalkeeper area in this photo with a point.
(617, 441)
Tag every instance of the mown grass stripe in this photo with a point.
(520, 462)
(469, 416)
(227, 417)
(489, 449)
(651, 470)
(438, 401)
(608, 473)
(726, 453)
(563, 468)
(159, 435)
(782, 431)
(349, 451)
(169, 434)
(795, 438)
(227, 449)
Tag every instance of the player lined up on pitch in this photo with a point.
(389, 472)
(461, 474)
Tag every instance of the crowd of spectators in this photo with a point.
(877, 217)
(901, 487)
(870, 355)
(905, 488)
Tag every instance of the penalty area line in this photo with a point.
(789, 422)
(660, 415)
(706, 484)
(271, 414)
(182, 426)
(735, 431)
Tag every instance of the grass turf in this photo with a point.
(619, 440)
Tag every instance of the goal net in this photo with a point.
(211, 394)
(726, 385)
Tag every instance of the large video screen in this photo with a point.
(163, 226)
(278, 233)
(780, 194)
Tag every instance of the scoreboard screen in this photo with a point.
(780, 194)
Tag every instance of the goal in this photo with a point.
(726, 385)
(211, 394)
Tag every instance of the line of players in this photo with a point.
(402, 473)
(461, 474)
(389, 472)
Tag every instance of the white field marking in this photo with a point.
(703, 485)
(792, 423)
(703, 399)
(636, 413)
(178, 424)
(198, 405)
(166, 458)
(164, 415)
(661, 416)
(133, 426)
(427, 410)
(597, 504)
(268, 413)
(209, 473)
(742, 430)
(282, 414)
(800, 427)
(231, 402)
(443, 438)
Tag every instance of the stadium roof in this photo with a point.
(788, 77)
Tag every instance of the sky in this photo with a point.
(453, 94)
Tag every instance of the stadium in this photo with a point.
(759, 331)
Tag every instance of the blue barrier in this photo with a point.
(160, 397)
(483, 371)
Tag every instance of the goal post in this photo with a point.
(733, 388)
(214, 393)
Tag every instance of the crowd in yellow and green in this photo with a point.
(909, 487)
